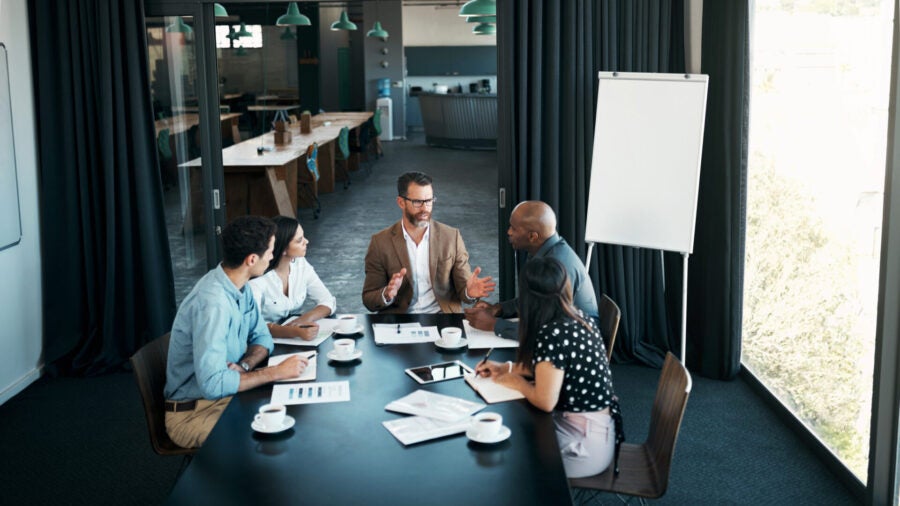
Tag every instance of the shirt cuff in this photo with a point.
(386, 301)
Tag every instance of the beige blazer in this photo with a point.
(447, 258)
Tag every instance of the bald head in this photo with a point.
(531, 223)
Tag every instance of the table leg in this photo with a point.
(326, 167)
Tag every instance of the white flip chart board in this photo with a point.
(10, 221)
(645, 172)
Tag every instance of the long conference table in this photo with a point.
(339, 453)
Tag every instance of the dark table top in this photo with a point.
(339, 453)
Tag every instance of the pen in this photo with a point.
(312, 356)
(484, 360)
(305, 326)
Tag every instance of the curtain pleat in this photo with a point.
(107, 278)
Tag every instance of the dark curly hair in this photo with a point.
(403, 181)
(245, 236)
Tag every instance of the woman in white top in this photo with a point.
(283, 289)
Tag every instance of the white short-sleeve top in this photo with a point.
(303, 282)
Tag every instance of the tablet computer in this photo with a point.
(439, 372)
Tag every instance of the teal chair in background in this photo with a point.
(342, 157)
(376, 134)
(308, 182)
(168, 169)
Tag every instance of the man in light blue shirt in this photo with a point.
(532, 228)
(218, 337)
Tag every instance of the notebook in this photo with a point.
(492, 392)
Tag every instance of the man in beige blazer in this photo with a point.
(418, 265)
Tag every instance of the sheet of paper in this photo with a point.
(405, 334)
(492, 392)
(486, 339)
(415, 429)
(437, 406)
(308, 375)
(311, 393)
(326, 329)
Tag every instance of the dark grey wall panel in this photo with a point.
(451, 60)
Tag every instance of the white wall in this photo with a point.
(21, 327)
(427, 25)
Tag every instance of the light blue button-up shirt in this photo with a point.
(215, 325)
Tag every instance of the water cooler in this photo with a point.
(385, 105)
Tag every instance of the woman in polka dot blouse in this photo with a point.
(563, 351)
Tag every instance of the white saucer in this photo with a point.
(460, 345)
(503, 435)
(333, 356)
(287, 424)
(357, 330)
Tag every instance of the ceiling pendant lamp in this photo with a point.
(232, 34)
(482, 19)
(293, 17)
(179, 26)
(241, 52)
(220, 11)
(479, 8)
(377, 31)
(344, 23)
(484, 29)
(288, 34)
(243, 32)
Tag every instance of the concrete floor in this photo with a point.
(465, 185)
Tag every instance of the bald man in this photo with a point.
(532, 229)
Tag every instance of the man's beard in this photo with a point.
(413, 218)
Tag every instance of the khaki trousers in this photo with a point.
(188, 429)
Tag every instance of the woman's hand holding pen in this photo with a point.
(489, 368)
(305, 330)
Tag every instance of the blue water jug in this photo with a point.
(384, 87)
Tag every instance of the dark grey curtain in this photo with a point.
(107, 277)
(550, 55)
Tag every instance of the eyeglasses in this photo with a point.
(419, 203)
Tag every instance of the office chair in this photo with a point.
(149, 364)
(361, 145)
(644, 468)
(342, 157)
(167, 166)
(610, 315)
(376, 133)
(308, 182)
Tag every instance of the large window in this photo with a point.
(818, 128)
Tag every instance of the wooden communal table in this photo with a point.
(351, 120)
(339, 453)
(264, 182)
(183, 122)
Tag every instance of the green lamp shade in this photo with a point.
(479, 8)
(293, 17)
(484, 29)
(243, 32)
(179, 26)
(232, 34)
(241, 52)
(377, 31)
(220, 11)
(288, 34)
(344, 23)
(482, 19)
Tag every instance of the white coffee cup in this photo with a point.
(347, 323)
(450, 336)
(344, 348)
(487, 425)
(271, 416)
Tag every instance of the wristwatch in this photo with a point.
(244, 365)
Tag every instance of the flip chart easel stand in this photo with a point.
(684, 287)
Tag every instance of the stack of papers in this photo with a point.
(404, 333)
(436, 416)
(486, 339)
(326, 329)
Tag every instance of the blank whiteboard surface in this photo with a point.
(10, 223)
(645, 172)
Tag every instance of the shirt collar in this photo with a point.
(551, 241)
(409, 237)
(225, 281)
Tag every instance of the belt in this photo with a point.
(180, 406)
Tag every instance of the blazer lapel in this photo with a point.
(399, 243)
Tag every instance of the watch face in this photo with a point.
(245, 366)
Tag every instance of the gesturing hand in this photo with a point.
(478, 288)
(393, 286)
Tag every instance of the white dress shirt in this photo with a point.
(423, 300)
(303, 282)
